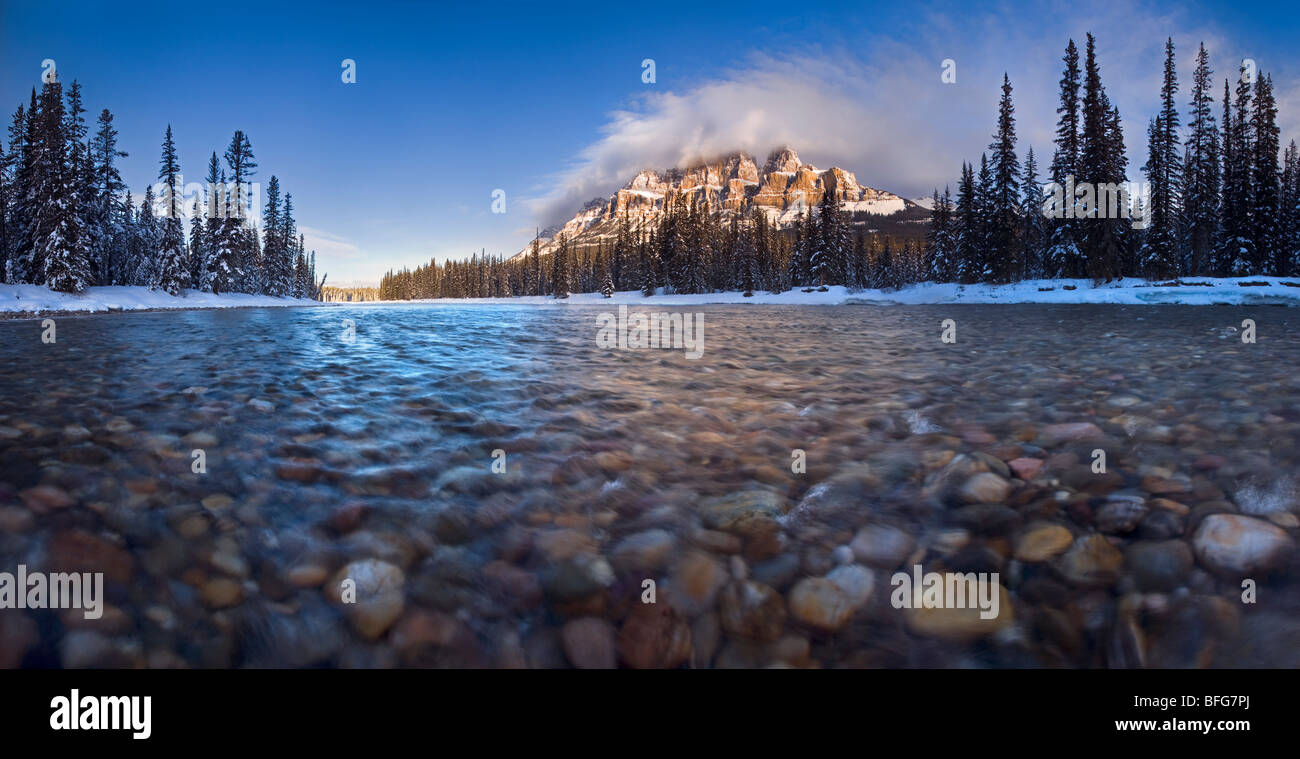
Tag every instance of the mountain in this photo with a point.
(783, 187)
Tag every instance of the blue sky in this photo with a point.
(546, 101)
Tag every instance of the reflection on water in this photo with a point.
(369, 454)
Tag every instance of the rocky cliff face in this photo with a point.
(781, 189)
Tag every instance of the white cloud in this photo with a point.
(881, 111)
(328, 246)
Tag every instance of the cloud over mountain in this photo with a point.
(880, 108)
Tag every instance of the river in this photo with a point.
(438, 485)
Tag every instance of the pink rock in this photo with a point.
(45, 498)
(1026, 468)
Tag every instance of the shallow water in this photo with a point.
(325, 450)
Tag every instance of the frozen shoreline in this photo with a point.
(21, 301)
(1133, 292)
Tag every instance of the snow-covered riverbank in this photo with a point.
(1198, 291)
(38, 299)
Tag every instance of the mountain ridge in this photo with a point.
(733, 184)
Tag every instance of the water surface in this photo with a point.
(331, 455)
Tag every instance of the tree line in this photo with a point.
(67, 220)
(1217, 204)
(690, 248)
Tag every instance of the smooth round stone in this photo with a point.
(654, 636)
(828, 603)
(1235, 544)
(985, 487)
(752, 610)
(44, 498)
(646, 551)
(1041, 542)
(1160, 525)
(696, 579)
(1120, 514)
(726, 512)
(217, 501)
(221, 592)
(379, 589)
(961, 624)
(201, 440)
(882, 546)
(1091, 562)
(579, 577)
(589, 643)
(1159, 566)
(307, 576)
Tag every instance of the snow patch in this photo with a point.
(39, 299)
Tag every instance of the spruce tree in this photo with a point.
(274, 255)
(1004, 199)
(606, 278)
(622, 252)
(5, 189)
(145, 243)
(172, 270)
(1064, 257)
(939, 263)
(1266, 232)
(538, 284)
(222, 272)
(1159, 257)
(968, 227)
(650, 264)
(285, 255)
(1237, 249)
(196, 252)
(105, 230)
(1289, 212)
(1033, 245)
(58, 233)
(1201, 173)
(1101, 162)
(560, 268)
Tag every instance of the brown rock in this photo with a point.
(375, 598)
(752, 610)
(1041, 542)
(961, 623)
(696, 580)
(1091, 562)
(46, 498)
(221, 592)
(589, 643)
(654, 636)
(985, 487)
(80, 551)
(519, 588)
(18, 634)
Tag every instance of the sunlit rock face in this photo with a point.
(733, 184)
